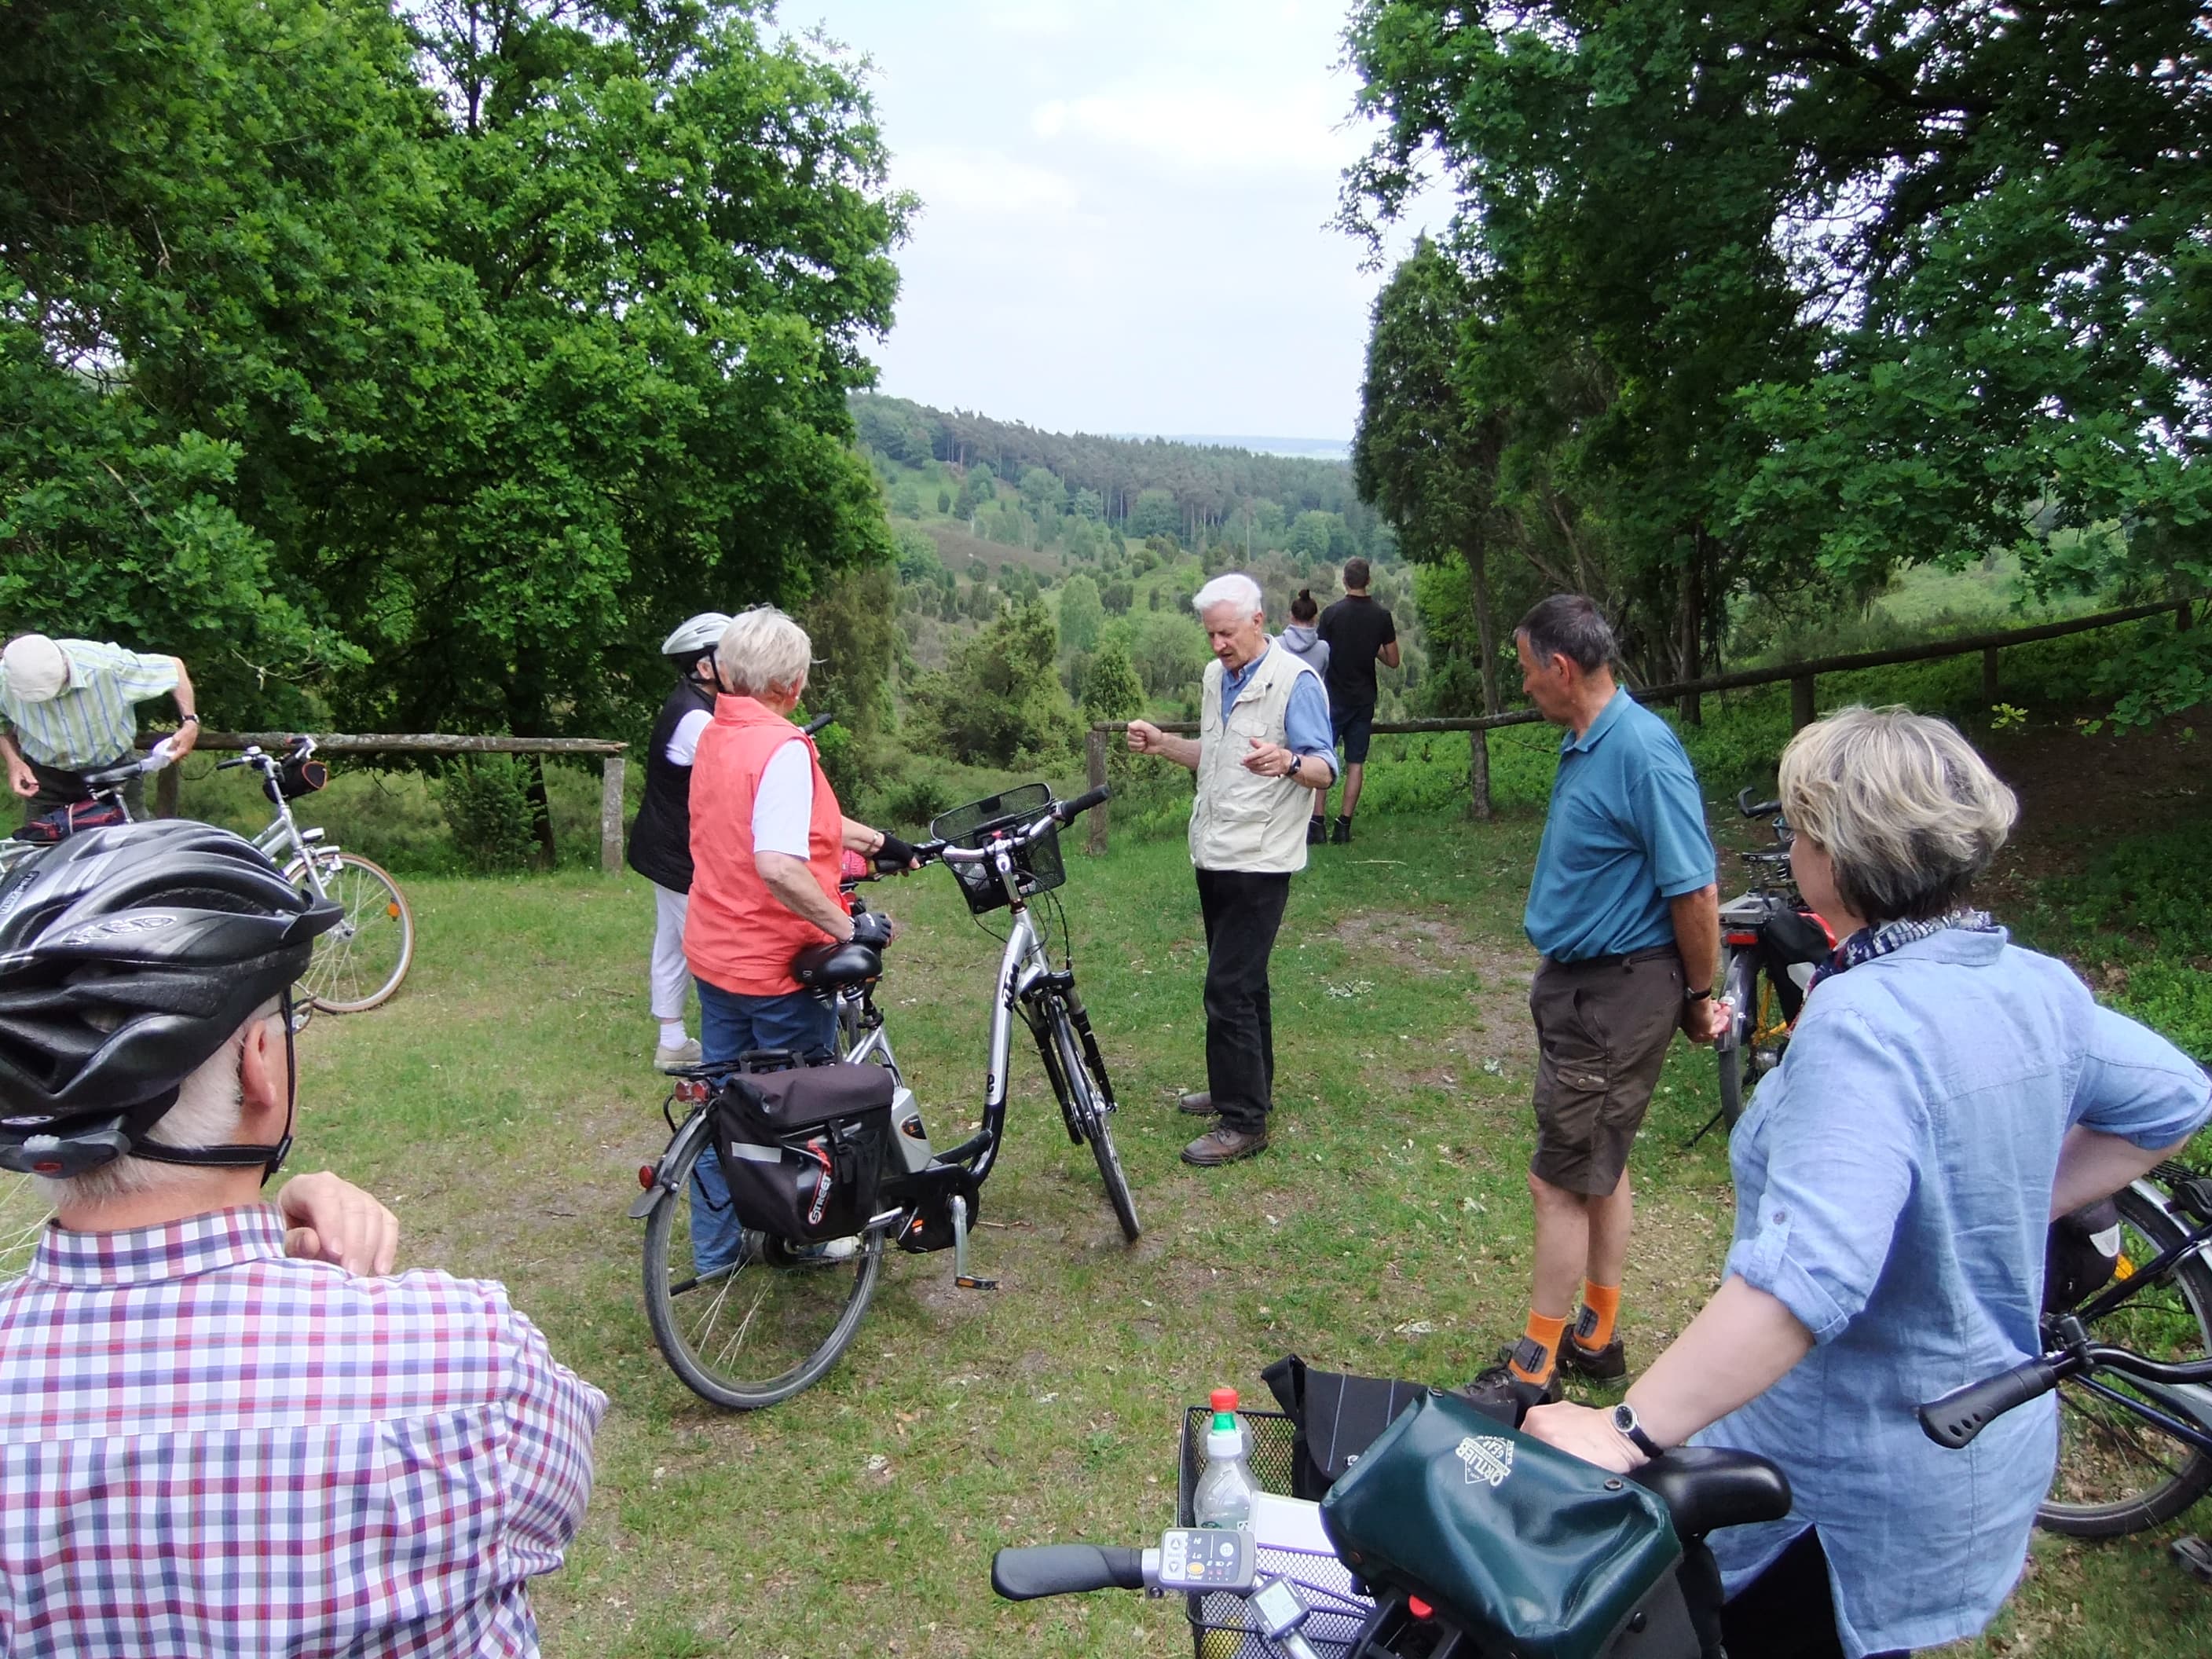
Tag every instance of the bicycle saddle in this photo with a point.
(831, 967)
(1706, 1487)
(102, 777)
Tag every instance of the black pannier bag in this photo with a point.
(1335, 1416)
(1791, 940)
(802, 1148)
(63, 822)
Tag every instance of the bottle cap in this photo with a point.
(1223, 1400)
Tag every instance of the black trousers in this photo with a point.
(1788, 1612)
(1243, 911)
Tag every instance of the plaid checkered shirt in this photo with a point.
(207, 1449)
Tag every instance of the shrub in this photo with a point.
(487, 807)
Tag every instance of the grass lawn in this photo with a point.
(502, 1104)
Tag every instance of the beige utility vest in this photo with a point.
(1242, 821)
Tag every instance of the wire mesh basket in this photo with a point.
(1037, 867)
(1218, 1622)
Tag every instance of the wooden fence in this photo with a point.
(435, 743)
(1802, 676)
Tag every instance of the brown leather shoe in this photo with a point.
(1222, 1144)
(1197, 1104)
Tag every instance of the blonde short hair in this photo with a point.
(762, 650)
(1901, 804)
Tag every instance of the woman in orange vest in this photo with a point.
(767, 846)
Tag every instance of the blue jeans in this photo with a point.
(729, 1025)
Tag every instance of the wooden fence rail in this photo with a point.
(1801, 676)
(610, 754)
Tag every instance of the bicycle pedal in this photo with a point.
(969, 1282)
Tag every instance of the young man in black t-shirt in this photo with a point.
(1359, 632)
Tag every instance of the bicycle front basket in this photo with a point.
(1037, 867)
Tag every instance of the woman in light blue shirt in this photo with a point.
(1945, 1095)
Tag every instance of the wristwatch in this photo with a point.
(1704, 995)
(1625, 1420)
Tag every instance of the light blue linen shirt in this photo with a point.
(1893, 1182)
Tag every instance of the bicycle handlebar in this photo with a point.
(1057, 815)
(1025, 1575)
(1959, 1416)
(1765, 809)
(157, 757)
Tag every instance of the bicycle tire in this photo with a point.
(1081, 1104)
(1739, 982)
(2099, 1441)
(359, 963)
(792, 1319)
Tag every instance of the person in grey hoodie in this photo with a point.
(1303, 641)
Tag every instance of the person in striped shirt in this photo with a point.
(68, 706)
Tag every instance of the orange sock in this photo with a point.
(1594, 1326)
(1537, 1351)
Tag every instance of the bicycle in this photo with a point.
(358, 964)
(106, 784)
(2127, 1457)
(1766, 927)
(773, 1321)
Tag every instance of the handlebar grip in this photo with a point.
(225, 766)
(1959, 1416)
(818, 725)
(1069, 810)
(1023, 1575)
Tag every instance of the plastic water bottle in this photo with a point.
(1226, 1492)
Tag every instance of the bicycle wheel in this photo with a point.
(360, 962)
(1739, 984)
(755, 1332)
(2116, 1473)
(1083, 1100)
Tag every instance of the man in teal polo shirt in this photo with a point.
(1624, 907)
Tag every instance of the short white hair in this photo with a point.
(1234, 589)
(1901, 804)
(210, 1111)
(762, 650)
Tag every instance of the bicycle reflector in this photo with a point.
(645, 1176)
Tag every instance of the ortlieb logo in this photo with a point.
(1488, 1458)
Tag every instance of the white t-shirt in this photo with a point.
(783, 806)
(684, 741)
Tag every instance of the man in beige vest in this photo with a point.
(1263, 747)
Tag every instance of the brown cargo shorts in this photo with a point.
(1603, 1030)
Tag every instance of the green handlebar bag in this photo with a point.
(1531, 1551)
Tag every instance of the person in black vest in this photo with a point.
(661, 838)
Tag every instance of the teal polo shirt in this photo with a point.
(1624, 834)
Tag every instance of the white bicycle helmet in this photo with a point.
(696, 638)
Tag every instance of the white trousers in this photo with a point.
(672, 974)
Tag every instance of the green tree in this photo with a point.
(1154, 512)
(1111, 691)
(999, 703)
(1082, 613)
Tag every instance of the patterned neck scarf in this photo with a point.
(1870, 942)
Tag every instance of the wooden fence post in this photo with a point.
(1801, 702)
(1989, 689)
(1478, 772)
(611, 814)
(165, 793)
(1094, 761)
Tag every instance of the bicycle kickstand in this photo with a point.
(961, 1276)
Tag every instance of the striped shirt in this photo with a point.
(93, 722)
(209, 1450)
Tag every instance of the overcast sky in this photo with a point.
(1125, 208)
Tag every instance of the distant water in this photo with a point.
(1318, 449)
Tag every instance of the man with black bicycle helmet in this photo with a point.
(661, 836)
(215, 1436)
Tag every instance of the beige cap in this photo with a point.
(37, 671)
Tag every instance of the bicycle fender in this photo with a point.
(660, 1192)
(649, 1200)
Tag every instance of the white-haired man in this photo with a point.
(1263, 749)
(224, 1428)
(68, 706)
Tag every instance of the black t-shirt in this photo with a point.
(1356, 629)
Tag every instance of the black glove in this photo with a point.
(893, 855)
(872, 928)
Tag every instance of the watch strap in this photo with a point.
(1625, 1420)
(1704, 995)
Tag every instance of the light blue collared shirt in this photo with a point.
(1892, 1182)
(1306, 729)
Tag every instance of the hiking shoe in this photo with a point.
(1341, 835)
(686, 1053)
(1606, 1365)
(829, 1250)
(1224, 1144)
(1497, 1390)
(1197, 1104)
(1316, 832)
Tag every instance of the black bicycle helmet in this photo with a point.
(128, 957)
